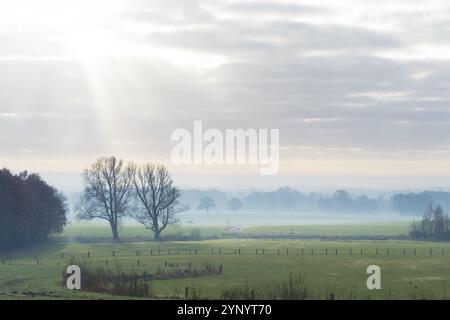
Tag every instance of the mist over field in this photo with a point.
(286, 206)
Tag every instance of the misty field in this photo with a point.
(233, 268)
(96, 231)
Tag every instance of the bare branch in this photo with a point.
(156, 198)
(107, 192)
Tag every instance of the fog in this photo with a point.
(244, 219)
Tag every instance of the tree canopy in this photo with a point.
(30, 209)
(206, 203)
(234, 204)
(435, 225)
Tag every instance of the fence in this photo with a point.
(312, 251)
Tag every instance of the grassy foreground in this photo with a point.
(410, 270)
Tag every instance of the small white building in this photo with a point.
(230, 230)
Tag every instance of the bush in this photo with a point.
(115, 283)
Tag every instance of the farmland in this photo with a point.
(329, 268)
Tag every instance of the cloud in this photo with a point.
(317, 120)
(85, 82)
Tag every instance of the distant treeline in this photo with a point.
(341, 201)
(418, 203)
(30, 209)
(288, 199)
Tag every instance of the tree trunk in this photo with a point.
(115, 232)
(157, 230)
(157, 235)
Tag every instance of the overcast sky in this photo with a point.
(357, 88)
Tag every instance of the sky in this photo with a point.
(358, 89)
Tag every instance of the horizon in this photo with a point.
(72, 183)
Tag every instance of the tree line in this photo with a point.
(30, 209)
(341, 201)
(417, 203)
(114, 190)
(285, 199)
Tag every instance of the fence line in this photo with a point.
(220, 251)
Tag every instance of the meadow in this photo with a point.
(249, 267)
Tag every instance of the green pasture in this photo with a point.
(411, 270)
(79, 231)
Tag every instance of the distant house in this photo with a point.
(230, 229)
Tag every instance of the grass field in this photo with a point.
(409, 269)
(97, 230)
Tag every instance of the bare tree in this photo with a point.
(157, 198)
(107, 190)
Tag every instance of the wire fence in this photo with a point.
(309, 251)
